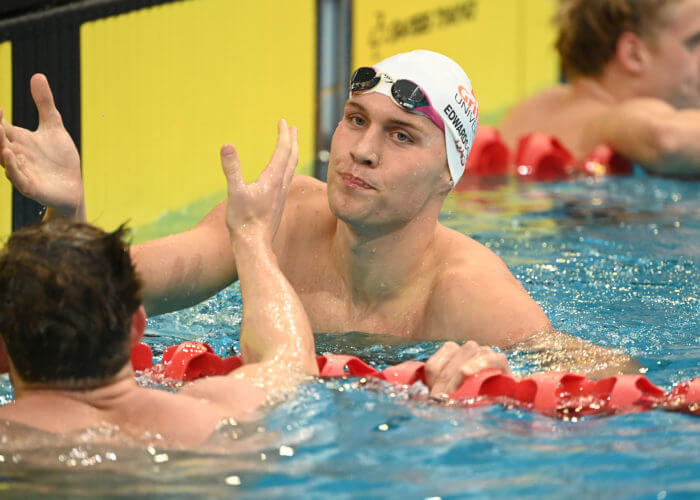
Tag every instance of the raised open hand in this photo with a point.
(256, 209)
(451, 364)
(44, 165)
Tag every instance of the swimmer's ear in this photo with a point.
(445, 184)
(632, 53)
(138, 325)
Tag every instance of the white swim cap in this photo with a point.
(450, 92)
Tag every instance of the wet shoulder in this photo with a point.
(467, 270)
(565, 112)
(307, 223)
(306, 209)
(306, 185)
(307, 196)
(476, 297)
(458, 253)
(532, 107)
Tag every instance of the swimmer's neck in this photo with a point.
(106, 395)
(374, 267)
(609, 88)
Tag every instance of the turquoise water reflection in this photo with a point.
(613, 262)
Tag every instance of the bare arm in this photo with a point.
(653, 134)
(503, 315)
(275, 328)
(447, 369)
(482, 301)
(554, 350)
(177, 271)
(277, 343)
(44, 165)
(183, 269)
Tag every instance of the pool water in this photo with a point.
(612, 261)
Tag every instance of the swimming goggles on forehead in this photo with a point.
(404, 93)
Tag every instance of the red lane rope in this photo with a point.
(552, 393)
(538, 157)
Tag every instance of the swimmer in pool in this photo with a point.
(70, 311)
(633, 69)
(364, 252)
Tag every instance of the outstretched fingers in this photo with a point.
(14, 172)
(231, 165)
(278, 162)
(7, 132)
(293, 157)
(43, 98)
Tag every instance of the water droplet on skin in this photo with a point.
(233, 481)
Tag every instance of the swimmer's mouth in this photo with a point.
(355, 182)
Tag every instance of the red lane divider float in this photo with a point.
(538, 157)
(489, 154)
(557, 394)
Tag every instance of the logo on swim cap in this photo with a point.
(467, 99)
(451, 95)
(462, 153)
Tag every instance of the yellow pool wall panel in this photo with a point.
(541, 65)
(505, 46)
(6, 105)
(164, 87)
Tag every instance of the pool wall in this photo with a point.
(160, 85)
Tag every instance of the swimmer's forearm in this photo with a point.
(595, 369)
(679, 146)
(556, 351)
(174, 278)
(654, 135)
(275, 325)
(184, 269)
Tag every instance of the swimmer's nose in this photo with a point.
(364, 151)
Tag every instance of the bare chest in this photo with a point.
(332, 309)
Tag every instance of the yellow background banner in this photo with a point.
(163, 88)
(506, 47)
(6, 105)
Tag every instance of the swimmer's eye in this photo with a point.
(357, 120)
(692, 42)
(402, 137)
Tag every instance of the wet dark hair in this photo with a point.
(589, 30)
(67, 295)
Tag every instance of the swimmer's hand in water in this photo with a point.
(451, 364)
(44, 165)
(256, 209)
